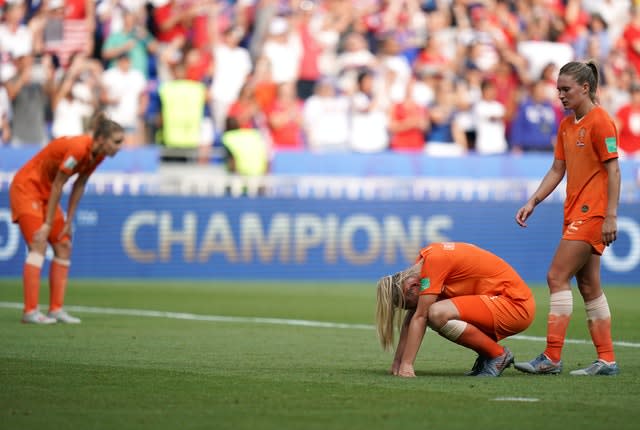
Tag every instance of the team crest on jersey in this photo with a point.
(612, 144)
(424, 284)
(70, 163)
(581, 134)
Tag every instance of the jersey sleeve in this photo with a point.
(76, 152)
(435, 268)
(605, 139)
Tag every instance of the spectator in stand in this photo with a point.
(245, 109)
(355, 57)
(431, 56)
(395, 67)
(231, 70)
(408, 123)
(5, 116)
(283, 49)
(368, 116)
(312, 48)
(247, 149)
(489, 115)
(597, 33)
(125, 98)
(535, 124)
(15, 37)
(628, 123)
(284, 119)
(133, 39)
(183, 106)
(445, 137)
(30, 91)
(630, 39)
(325, 118)
(265, 90)
(77, 97)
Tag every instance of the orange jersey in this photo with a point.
(69, 155)
(585, 146)
(452, 269)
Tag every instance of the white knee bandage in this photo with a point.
(453, 329)
(561, 303)
(35, 259)
(598, 309)
(62, 261)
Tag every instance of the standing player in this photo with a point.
(35, 194)
(586, 150)
(466, 294)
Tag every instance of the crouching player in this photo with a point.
(466, 294)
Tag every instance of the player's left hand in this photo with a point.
(66, 230)
(609, 230)
(406, 371)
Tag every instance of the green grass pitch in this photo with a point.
(160, 355)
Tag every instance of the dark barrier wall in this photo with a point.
(189, 237)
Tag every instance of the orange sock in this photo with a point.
(31, 280)
(58, 283)
(473, 338)
(599, 320)
(560, 309)
(556, 332)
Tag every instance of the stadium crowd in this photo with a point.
(443, 77)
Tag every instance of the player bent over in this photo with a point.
(466, 294)
(35, 194)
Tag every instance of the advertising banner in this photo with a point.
(303, 239)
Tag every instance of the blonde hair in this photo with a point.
(390, 301)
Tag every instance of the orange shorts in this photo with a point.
(30, 211)
(588, 230)
(496, 316)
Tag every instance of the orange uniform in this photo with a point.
(585, 146)
(31, 186)
(457, 271)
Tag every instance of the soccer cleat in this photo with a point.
(598, 367)
(541, 365)
(37, 317)
(477, 366)
(495, 366)
(63, 317)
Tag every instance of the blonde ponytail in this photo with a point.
(390, 302)
(389, 297)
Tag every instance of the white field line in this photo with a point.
(260, 320)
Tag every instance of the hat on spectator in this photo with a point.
(278, 26)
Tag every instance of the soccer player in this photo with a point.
(35, 194)
(466, 294)
(586, 151)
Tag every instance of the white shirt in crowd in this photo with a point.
(126, 87)
(490, 127)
